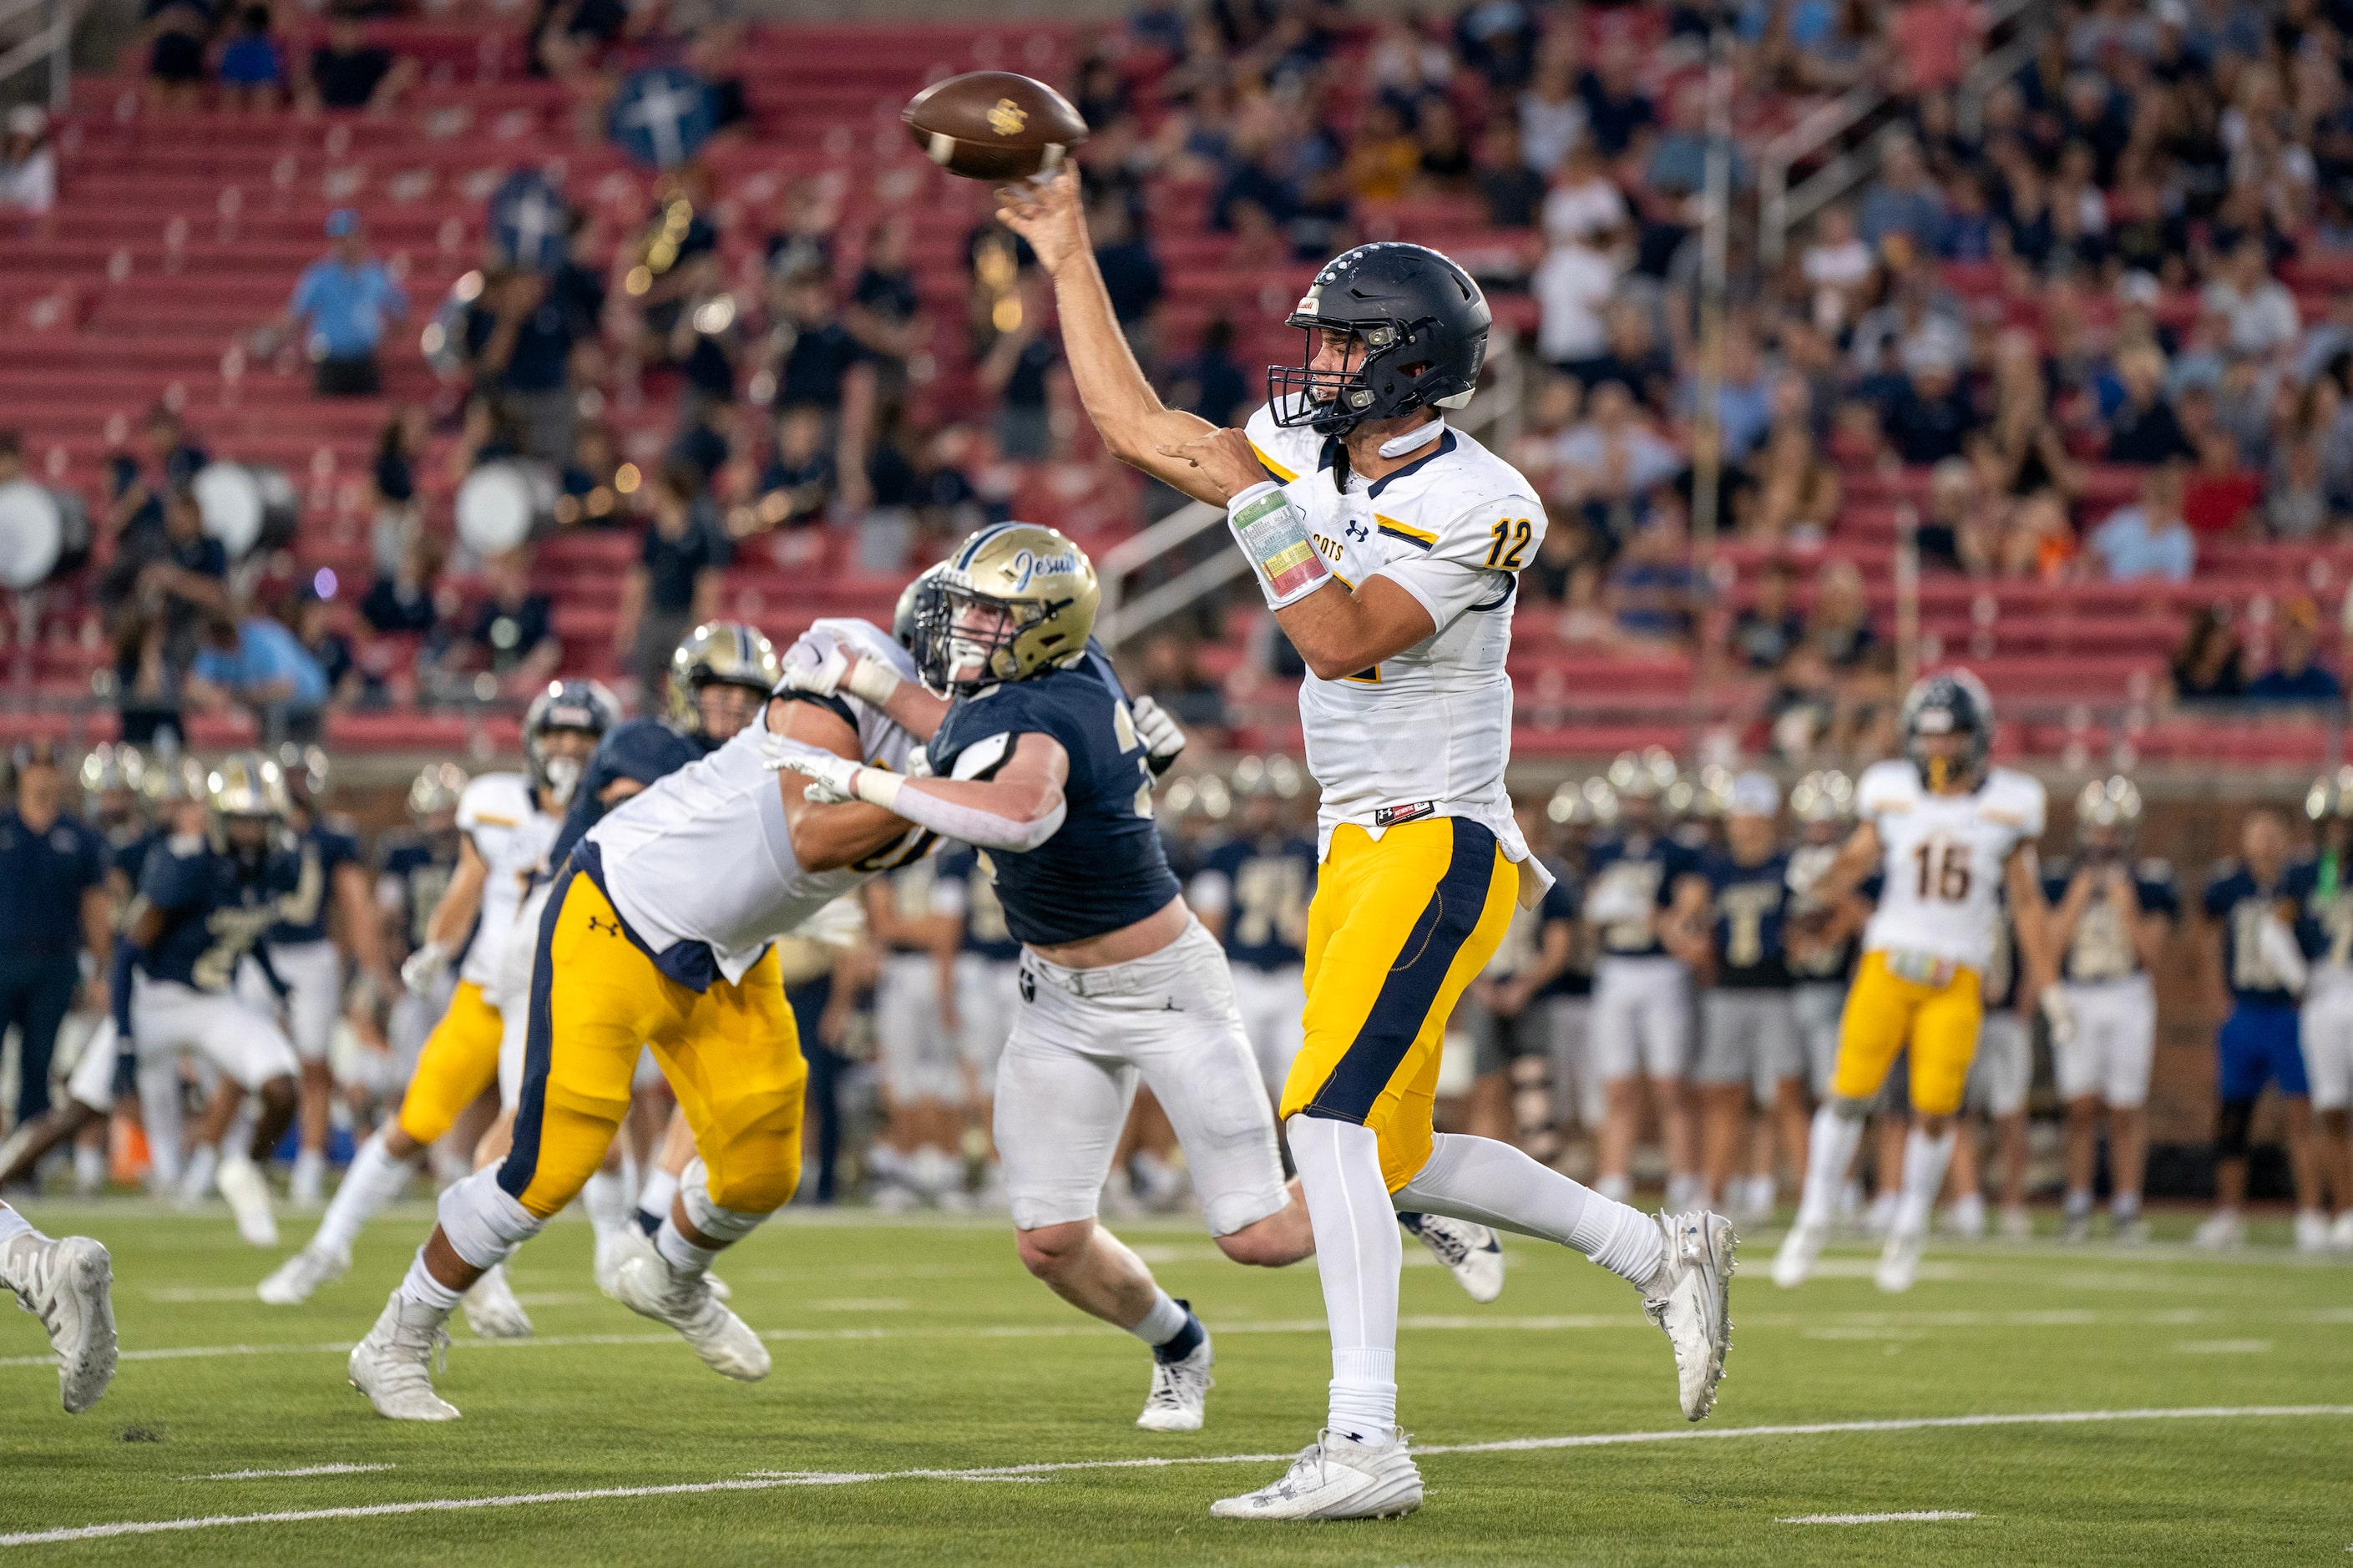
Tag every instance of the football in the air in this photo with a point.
(994, 125)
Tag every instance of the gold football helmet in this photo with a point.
(435, 793)
(727, 652)
(1826, 796)
(2331, 795)
(1014, 601)
(248, 784)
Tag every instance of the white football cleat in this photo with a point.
(247, 1191)
(1180, 1391)
(1335, 1478)
(293, 1283)
(2017, 1224)
(612, 1251)
(68, 1285)
(1966, 1217)
(491, 1309)
(2223, 1228)
(1800, 1249)
(393, 1365)
(2340, 1235)
(650, 1287)
(1470, 1251)
(1690, 1298)
(1899, 1262)
(2311, 1230)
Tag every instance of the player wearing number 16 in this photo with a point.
(1388, 547)
(1951, 836)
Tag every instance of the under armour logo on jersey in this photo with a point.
(1357, 531)
(613, 927)
(1029, 986)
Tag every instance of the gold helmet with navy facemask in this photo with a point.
(247, 787)
(720, 653)
(2109, 806)
(1827, 796)
(2330, 798)
(581, 705)
(1953, 703)
(1044, 588)
(435, 793)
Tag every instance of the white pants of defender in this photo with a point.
(2326, 1030)
(1747, 1037)
(91, 1082)
(912, 1052)
(1816, 1007)
(313, 974)
(1270, 1001)
(244, 1043)
(1576, 1087)
(1641, 1017)
(1081, 1039)
(987, 992)
(2003, 1069)
(2115, 1045)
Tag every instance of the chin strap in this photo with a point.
(1414, 439)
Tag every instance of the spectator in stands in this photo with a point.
(1633, 355)
(1765, 634)
(1572, 286)
(347, 72)
(175, 33)
(392, 486)
(2021, 453)
(1962, 530)
(1677, 165)
(1838, 626)
(2296, 506)
(1015, 369)
(1903, 201)
(2039, 543)
(2220, 495)
(252, 662)
(1744, 404)
(589, 479)
(134, 517)
(675, 583)
(1797, 489)
(519, 342)
(2150, 539)
(1171, 673)
(146, 683)
(187, 578)
(2261, 313)
(1652, 589)
(1841, 269)
(1849, 54)
(821, 354)
(1130, 273)
(1610, 463)
(1968, 232)
(1584, 203)
(797, 485)
(312, 621)
(342, 304)
(28, 165)
(885, 313)
(514, 631)
(1446, 164)
(2296, 675)
(1618, 112)
(1502, 40)
(1383, 159)
(1919, 320)
(253, 67)
(401, 602)
(1511, 192)
(2144, 429)
(569, 37)
(1212, 382)
(2210, 665)
(808, 219)
(1550, 114)
(1930, 420)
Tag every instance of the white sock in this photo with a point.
(1493, 1183)
(679, 1253)
(310, 1173)
(660, 1189)
(197, 1176)
(1358, 1252)
(158, 1113)
(1925, 1159)
(421, 1288)
(608, 1203)
(374, 1179)
(1163, 1323)
(1829, 1150)
(90, 1166)
(1617, 1189)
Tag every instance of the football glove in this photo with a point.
(423, 967)
(1162, 737)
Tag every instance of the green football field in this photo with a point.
(931, 1404)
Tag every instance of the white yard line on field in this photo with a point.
(776, 1479)
(1924, 1516)
(275, 1475)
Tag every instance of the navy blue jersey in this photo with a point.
(1626, 880)
(1104, 868)
(965, 884)
(1748, 905)
(2238, 903)
(414, 874)
(1267, 884)
(640, 750)
(42, 878)
(1567, 894)
(2101, 947)
(302, 914)
(216, 907)
(126, 852)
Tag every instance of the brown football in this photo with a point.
(994, 125)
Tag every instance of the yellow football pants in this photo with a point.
(460, 1060)
(1884, 1013)
(730, 1053)
(1399, 928)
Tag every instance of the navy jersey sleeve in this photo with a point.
(173, 881)
(2220, 892)
(2158, 895)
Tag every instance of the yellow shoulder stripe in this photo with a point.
(1271, 467)
(484, 819)
(1406, 532)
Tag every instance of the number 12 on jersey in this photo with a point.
(1508, 544)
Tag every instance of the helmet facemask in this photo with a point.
(959, 630)
(1381, 377)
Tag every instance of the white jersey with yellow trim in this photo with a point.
(1429, 732)
(1945, 855)
(511, 834)
(702, 856)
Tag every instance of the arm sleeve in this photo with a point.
(1468, 564)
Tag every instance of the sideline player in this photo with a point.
(1252, 893)
(68, 1285)
(1950, 836)
(2110, 917)
(507, 821)
(2327, 1025)
(1039, 761)
(2001, 1074)
(984, 983)
(1388, 546)
(2255, 917)
(661, 929)
(916, 1159)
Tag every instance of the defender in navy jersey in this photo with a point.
(1038, 760)
(2259, 938)
(1641, 992)
(2110, 917)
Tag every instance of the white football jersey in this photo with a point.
(1429, 732)
(1945, 858)
(704, 855)
(511, 834)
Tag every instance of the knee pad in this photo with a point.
(1851, 1110)
(482, 1222)
(2231, 1128)
(722, 1225)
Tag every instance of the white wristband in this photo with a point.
(878, 786)
(1273, 534)
(872, 683)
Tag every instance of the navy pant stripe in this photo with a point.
(521, 1162)
(1411, 989)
